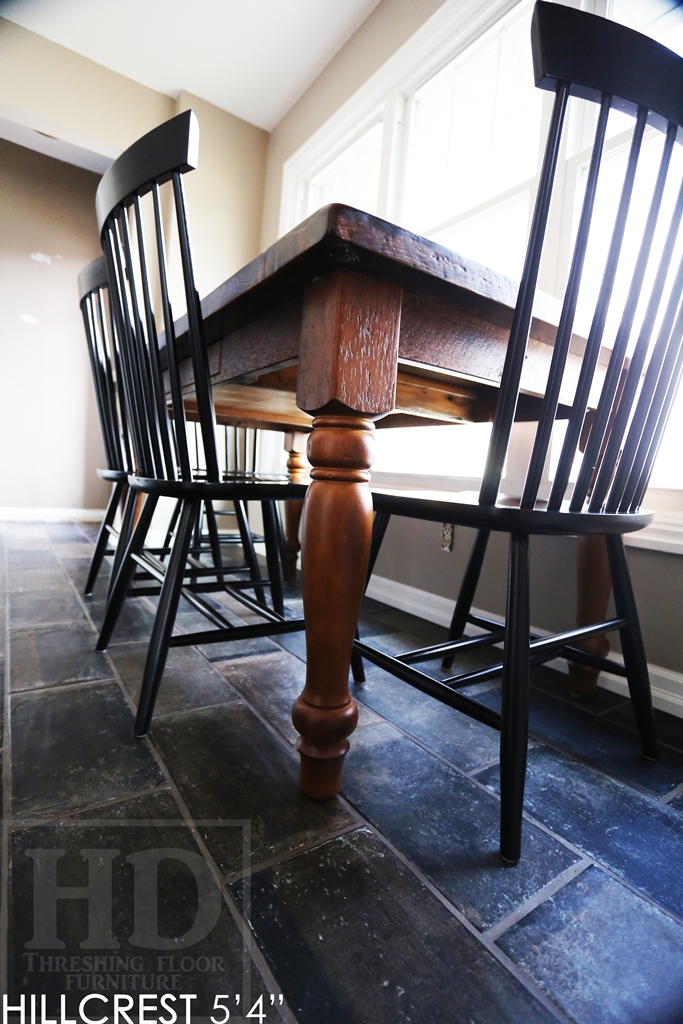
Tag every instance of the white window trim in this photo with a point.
(450, 30)
(456, 25)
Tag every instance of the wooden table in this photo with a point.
(345, 321)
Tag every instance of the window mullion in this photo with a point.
(392, 159)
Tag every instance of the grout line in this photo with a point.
(510, 966)
(612, 707)
(77, 684)
(493, 933)
(671, 914)
(249, 944)
(72, 815)
(621, 780)
(671, 795)
(303, 848)
(171, 716)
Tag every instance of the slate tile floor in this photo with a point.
(386, 904)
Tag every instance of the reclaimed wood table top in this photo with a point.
(454, 325)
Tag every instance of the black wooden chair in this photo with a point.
(93, 288)
(575, 54)
(135, 238)
(105, 361)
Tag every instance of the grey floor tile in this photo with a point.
(270, 683)
(600, 742)
(228, 765)
(75, 747)
(402, 622)
(600, 973)
(294, 643)
(230, 650)
(677, 803)
(74, 549)
(189, 681)
(55, 655)
(77, 569)
(90, 530)
(26, 536)
(156, 805)
(633, 835)
(36, 580)
(30, 609)
(353, 937)
(462, 740)
(169, 943)
(31, 558)
(446, 825)
(135, 621)
(669, 727)
(66, 533)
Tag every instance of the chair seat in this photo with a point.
(463, 509)
(227, 490)
(114, 475)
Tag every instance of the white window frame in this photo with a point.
(385, 97)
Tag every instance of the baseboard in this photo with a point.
(51, 515)
(667, 685)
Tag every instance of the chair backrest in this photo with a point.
(138, 225)
(103, 350)
(613, 67)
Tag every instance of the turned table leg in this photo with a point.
(297, 466)
(337, 526)
(347, 374)
(593, 587)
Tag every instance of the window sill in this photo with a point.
(665, 534)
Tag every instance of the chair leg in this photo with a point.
(273, 556)
(165, 619)
(632, 646)
(380, 523)
(248, 549)
(357, 665)
(124, 576)
(468, 589)
(281, 543)
(171, 526)
(515, 710)
(103, 536)
(125, 533)
(214, 540)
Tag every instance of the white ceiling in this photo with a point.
(253, 58)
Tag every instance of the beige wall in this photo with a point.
(48, 206)
(83, 101)
(48, 422)
(47, 86)
(389, 26)
(225, 193)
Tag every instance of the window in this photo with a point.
(352, 177)
(463, 85)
